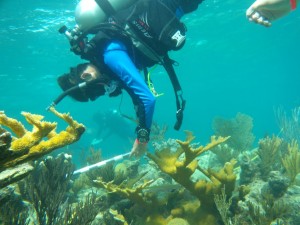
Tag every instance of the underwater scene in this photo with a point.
(234, 161)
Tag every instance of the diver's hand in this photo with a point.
(265, 11)
(138, 149)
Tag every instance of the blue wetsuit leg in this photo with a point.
(117, 59)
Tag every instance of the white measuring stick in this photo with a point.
(102, 163)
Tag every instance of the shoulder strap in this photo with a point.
(106, 7)
(180, 102)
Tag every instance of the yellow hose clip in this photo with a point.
(151, 86)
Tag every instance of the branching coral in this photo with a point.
(269, 153)
(45, 197)
(133, 194)
(12, 209)
(118, 217)
(148, 208)
(83, 212)
(267, 211)
(223, 207)
(182, 163)
(291, 161)
(30, 145)
(46, 187)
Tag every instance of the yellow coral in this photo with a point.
(182, 163)
(133, 194)
(40, 130)
(178, 221)
(118, 217)
(30, 145)
(17, 127)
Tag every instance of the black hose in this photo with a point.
(70, 90)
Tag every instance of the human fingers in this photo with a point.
(249, 12)
(255, 16)
(258, 18)
(263, 21)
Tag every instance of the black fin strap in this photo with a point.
(180, 102)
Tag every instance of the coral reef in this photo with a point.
(14, 174)
(238, 128)
(30, 145)
(5, 142)
(291, 161)
(223, 206)
(133, 194)
(182, 163)
(181, 182)
(248, 167)
(268, 211)
(152, 207)
(83, 212)
(289, 125)
(225, 153)
(12, 209)
(276, 186)
(269, 152)
(45, 199)
(47, 185)
(178, 221)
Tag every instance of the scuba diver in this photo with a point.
(128, 36)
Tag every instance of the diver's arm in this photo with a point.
(117, 59)
(265, 11)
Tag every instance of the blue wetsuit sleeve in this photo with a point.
(117, 59)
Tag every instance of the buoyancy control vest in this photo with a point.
(155, 22)
(154, 29)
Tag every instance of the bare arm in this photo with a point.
(265, 11)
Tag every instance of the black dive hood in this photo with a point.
(77, 87)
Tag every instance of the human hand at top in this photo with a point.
(265, 11)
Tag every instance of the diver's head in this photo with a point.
(88, 14)
(85, 72)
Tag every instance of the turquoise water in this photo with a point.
(227, 66)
